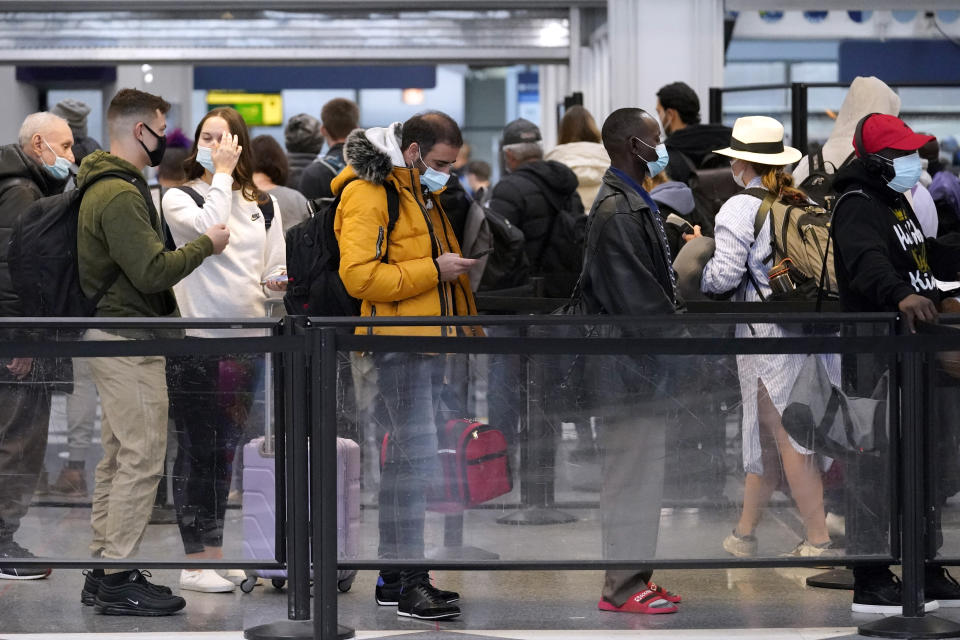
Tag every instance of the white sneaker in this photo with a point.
(205, 581)
(236, 576)
(836, 525)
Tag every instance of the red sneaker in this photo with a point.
(663, 593)
(646, 601)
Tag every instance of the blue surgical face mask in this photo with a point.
(205, 158)
(60, 168)
(434, 180)
(660, 163)
(907, 170)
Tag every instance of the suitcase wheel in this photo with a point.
(344, 585)
(248, 584)
(278, 583)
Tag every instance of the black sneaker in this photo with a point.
(423, 603)
(388, 593)
(942, 587)
(883, 596)
(131, 594)
(13, 550)
(91, 584)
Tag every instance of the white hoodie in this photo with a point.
(589, 160)
(868, 95)
(225, 285)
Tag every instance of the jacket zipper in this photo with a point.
(373, 314)
(434, 241)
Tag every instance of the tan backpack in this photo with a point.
(802, 234)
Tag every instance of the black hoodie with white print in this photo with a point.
(881, 255)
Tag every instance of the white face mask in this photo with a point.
(738, 177)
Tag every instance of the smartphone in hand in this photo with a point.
(481, 254)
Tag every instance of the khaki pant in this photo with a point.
(133, 397)
(631, 498)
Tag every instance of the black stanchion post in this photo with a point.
(798, 116)
(323, 483)
(537, 458)
(295, 412)
(913, 424)
(716, 105)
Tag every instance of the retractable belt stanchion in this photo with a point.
(323, 483)
(295, 470)
(537, 453)
(914, 426)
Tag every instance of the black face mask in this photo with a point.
(157, 154)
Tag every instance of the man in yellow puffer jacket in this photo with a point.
(413, 270)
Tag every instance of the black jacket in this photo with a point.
(298, 162)
(880, 253)
(316, 177)
(625, 271)
(694, 141)
(22, 181)
(526, 198)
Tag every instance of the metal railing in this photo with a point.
(306, 387)
(799, 102)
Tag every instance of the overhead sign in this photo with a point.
(257, 109)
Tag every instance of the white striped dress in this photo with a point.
(735, 252)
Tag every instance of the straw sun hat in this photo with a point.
(759, 139)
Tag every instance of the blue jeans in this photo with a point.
(410, 386)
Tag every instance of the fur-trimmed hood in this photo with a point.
(374, 152)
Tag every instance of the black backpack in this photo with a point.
(43, 254)
(314, 286)
(712, 185)
(561, 254)
(818, 185)
(508, 266)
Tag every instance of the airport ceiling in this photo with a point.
(321, 31)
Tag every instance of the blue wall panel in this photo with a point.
(898, 61)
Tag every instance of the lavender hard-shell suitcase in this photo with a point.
(259, 510)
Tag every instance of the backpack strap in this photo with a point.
(193, 193)
(266, 208)
(393, 214)
(145, 193)
(766, 205)
(168, 240)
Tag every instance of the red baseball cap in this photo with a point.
(881, 131)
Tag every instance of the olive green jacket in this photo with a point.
(118, 229)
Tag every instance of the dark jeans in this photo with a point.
(505, 379)
(24, 421)
(210, 397)
(410, 386)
